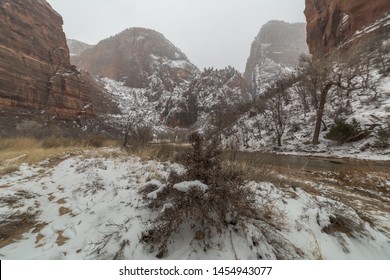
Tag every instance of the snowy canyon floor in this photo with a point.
(86, 204)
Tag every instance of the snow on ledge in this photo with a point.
(187, 185)
(160, 187)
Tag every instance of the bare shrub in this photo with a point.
(113, 235)
(226, 200)
(341, 224)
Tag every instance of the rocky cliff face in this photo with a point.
(138, 57)
(213, 96)
(277, 46)
(35, 72)
(332, 22)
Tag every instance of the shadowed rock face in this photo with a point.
(134, 56)
(332, 22)
(35, 72)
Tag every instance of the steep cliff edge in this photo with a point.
(35, 71)
(277, 47)
(332, 22)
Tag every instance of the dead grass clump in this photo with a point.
(13, 226)
(342, 224)
(61, 240)
(8, 170)
(16, 199)
(55, 142)
(95, 141)
(356, 175)
(344, 220)
(255, 166)
(22, 143)
(206, 210)
(92, 187)
(160, 152)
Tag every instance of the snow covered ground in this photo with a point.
(88, 206)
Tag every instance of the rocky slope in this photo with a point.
(138, 57)
(277, 46)
(212, 98)
(35, 72)
(331, 23)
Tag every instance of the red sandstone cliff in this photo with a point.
(137, 56)
(332, 22)
(35, 72)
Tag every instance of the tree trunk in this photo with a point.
(279, 141)
(125, 139)
(320, 113)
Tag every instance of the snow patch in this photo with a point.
(187, 185)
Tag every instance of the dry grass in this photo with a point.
(61, 240)
(160, 152)
(8, 170)
(14, 151)
(13, 226)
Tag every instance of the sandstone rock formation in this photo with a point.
(278, 44)
(137, 56)
(332, 22)
(35, 72)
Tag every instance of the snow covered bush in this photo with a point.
(207, 197)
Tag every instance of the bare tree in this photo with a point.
(132, 120)
(276, 111)
(337, 70)
(135, 129)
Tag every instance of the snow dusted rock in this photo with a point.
(139, 57)
(160, 187)
(187, 185)
(210, 93)
(278, 45)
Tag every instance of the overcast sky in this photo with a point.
(210, 32)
